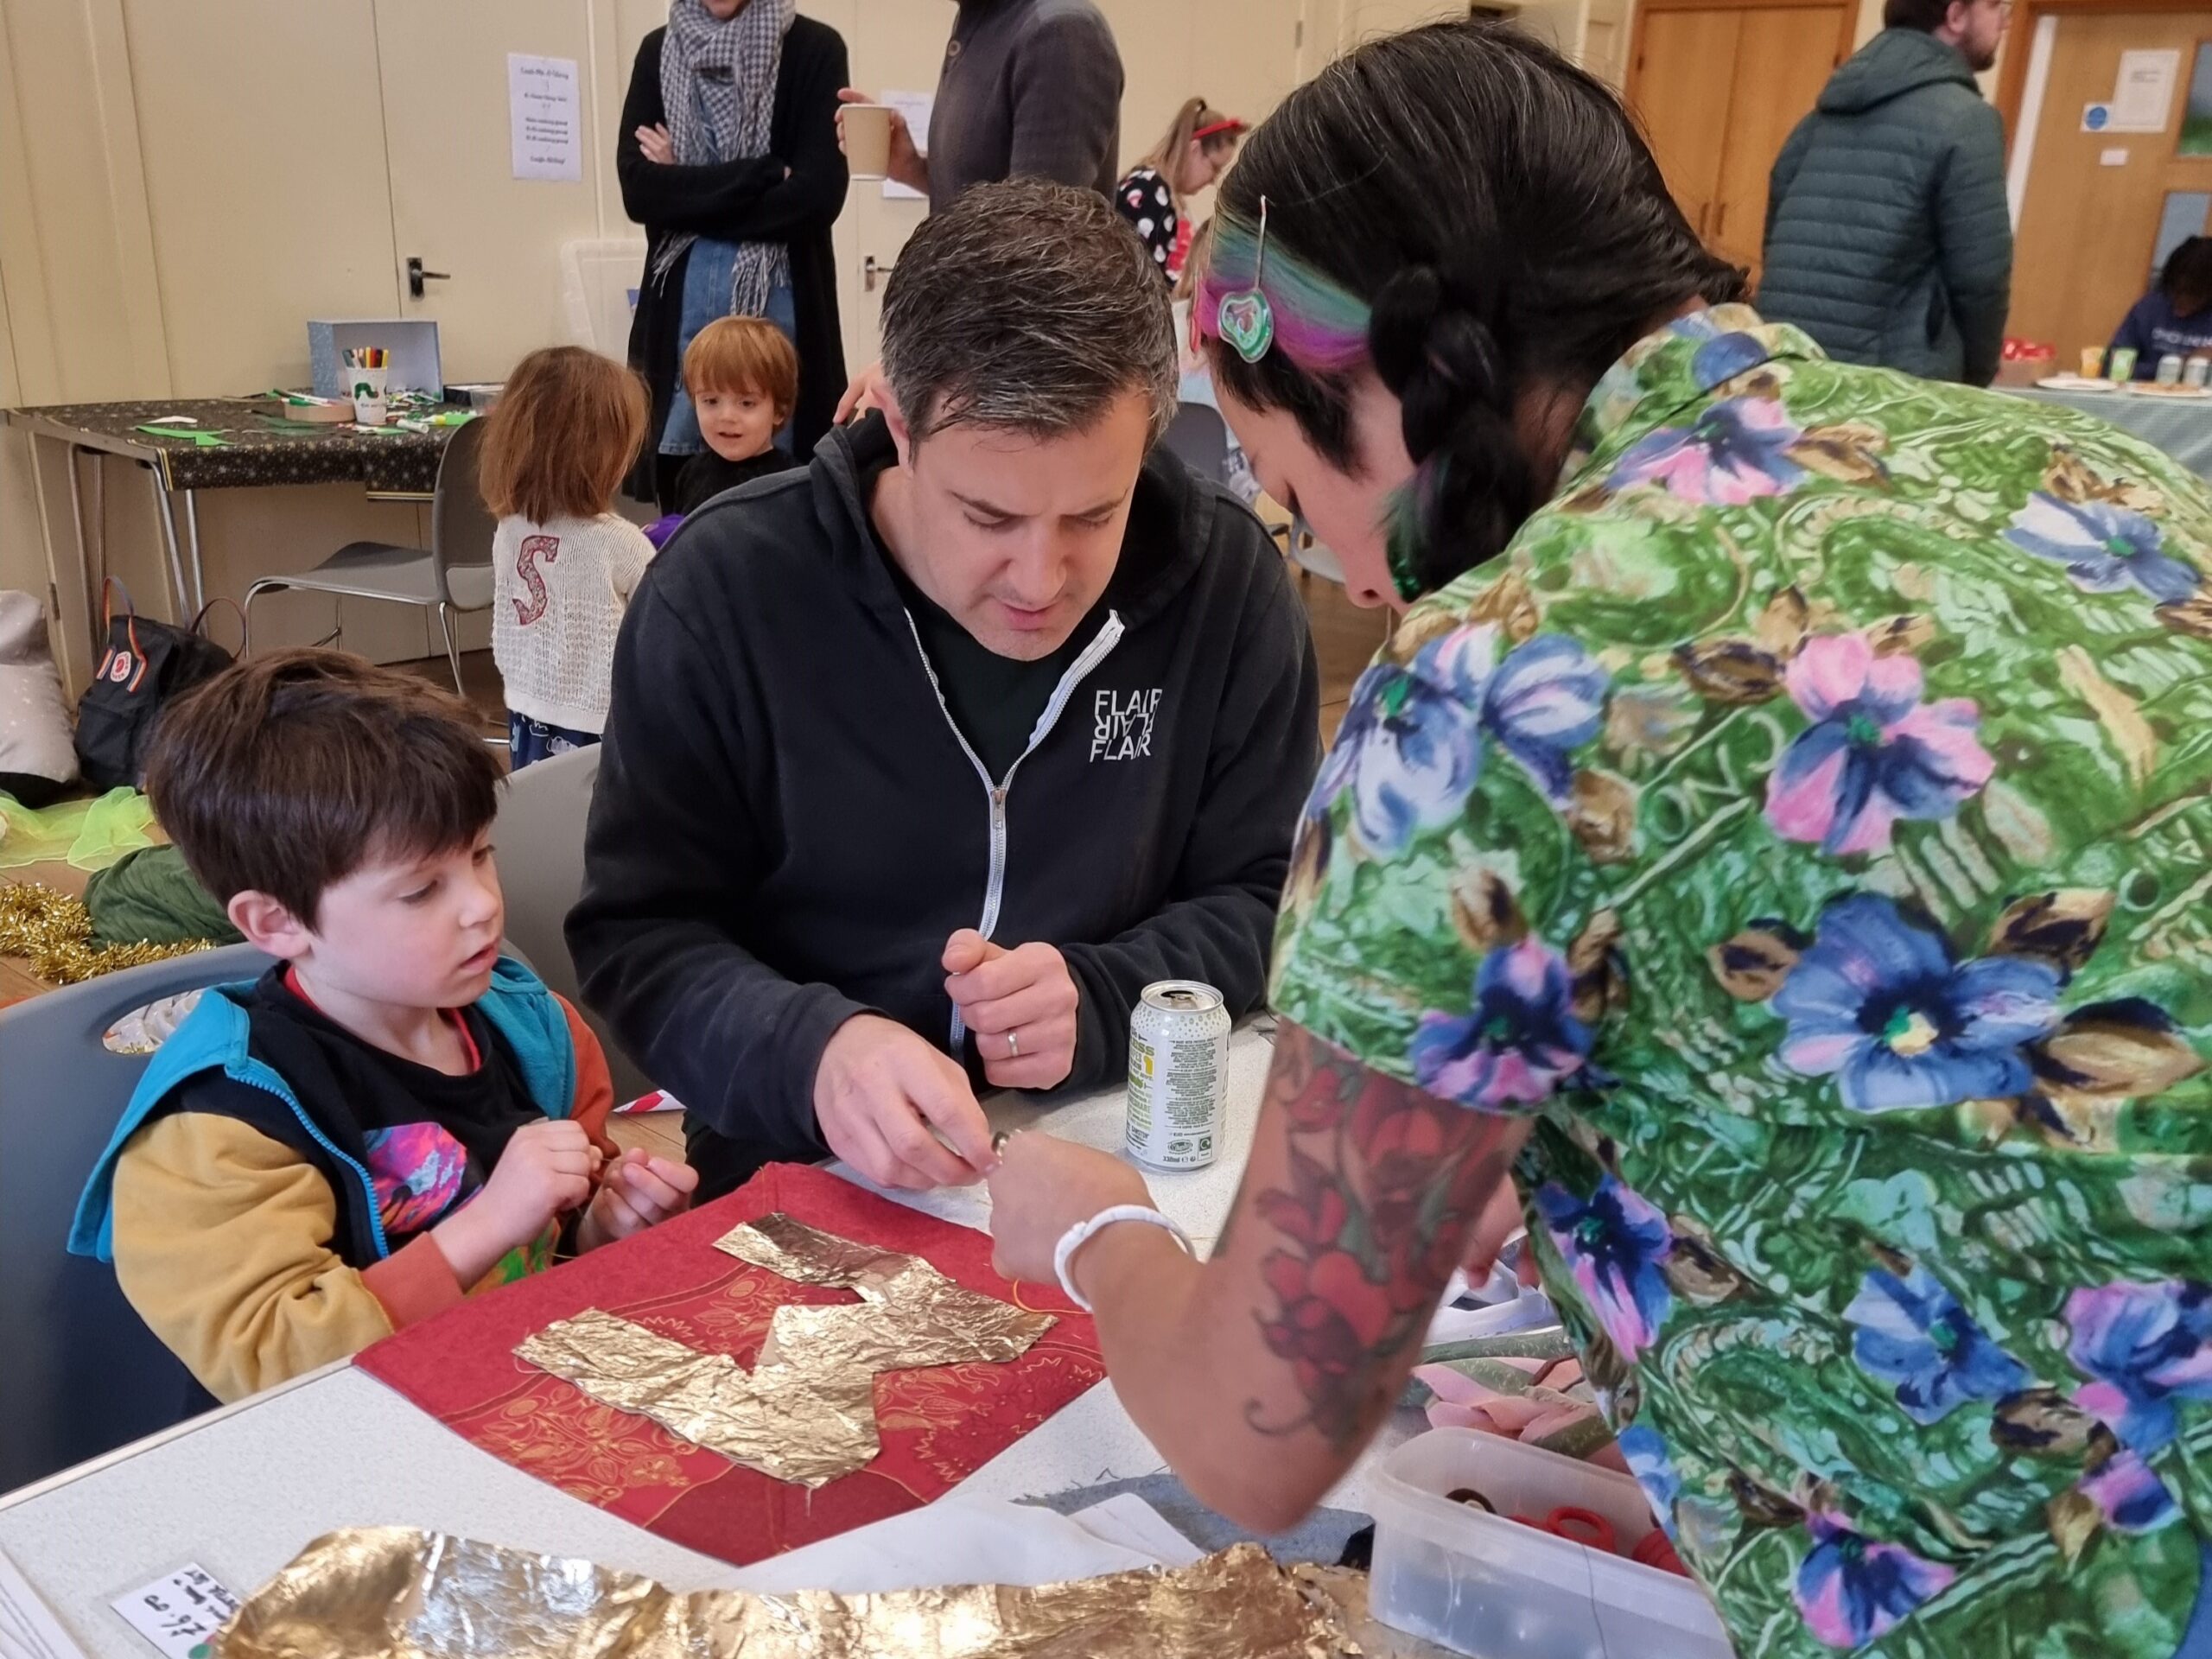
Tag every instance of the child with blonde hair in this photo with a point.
(743, 377)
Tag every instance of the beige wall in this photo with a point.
(182, 186)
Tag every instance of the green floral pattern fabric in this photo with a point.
(1808, 819)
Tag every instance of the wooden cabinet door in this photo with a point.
(1783, 57)
(1679, 87)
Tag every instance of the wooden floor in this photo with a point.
(1345, 636)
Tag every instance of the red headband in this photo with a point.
(1228, 123)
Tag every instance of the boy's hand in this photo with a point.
(640, 1190)
(546, 1171)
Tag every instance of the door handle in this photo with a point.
(417, 276)
(872, 268)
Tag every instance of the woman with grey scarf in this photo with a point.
(729, 158)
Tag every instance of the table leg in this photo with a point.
(165, 511)
(83, 544)
(65, 656)
(192, 534)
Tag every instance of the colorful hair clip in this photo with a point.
(1245, 319)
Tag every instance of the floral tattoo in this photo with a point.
(1383, 1180)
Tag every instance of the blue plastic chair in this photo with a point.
(80, 1372)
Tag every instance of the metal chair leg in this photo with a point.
(246, 612)
(452, 651)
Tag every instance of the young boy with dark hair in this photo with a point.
(395, 1115)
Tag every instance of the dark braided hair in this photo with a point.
(1495, 212)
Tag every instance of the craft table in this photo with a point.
(2180, 426)
(389, 463)
(241, 1490)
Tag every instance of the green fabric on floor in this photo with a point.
(90, 834)
(151, 896)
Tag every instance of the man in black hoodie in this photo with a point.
(922, 762)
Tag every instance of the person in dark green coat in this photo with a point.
(1888, 238)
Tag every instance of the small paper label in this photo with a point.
(179, 1610)
(2112, 158)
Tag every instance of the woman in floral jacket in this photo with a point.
(1784, 820)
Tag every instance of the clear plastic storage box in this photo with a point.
(1488, 1587)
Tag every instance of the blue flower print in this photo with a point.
(1852, 1589)
(1518, 1039)
(1912, 1332)
(1410, 748)
(1726, 356)
(1878, 1003)
(2131, 1496)
(2106, 549)
(1874, 753)
(2146, 1345)
(1615, 1244)
(1737, 452)
(1654, 1470)
(1545, 701)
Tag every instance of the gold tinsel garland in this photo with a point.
(54, 932)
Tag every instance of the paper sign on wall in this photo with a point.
(178, 1611)
(545, 123)
(2142, 92)
(916, 107)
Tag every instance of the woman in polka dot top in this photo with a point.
(1198, 147)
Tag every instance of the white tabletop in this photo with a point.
(242, 1491)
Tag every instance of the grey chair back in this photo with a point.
(460, 524)
(540, 835)
(80, 1372)
(1199, 438)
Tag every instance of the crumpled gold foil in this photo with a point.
(398, 1594)
(806, 1412)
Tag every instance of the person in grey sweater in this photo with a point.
(1888, 238)
(1030, 89)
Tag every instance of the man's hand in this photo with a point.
(879, 1092)
(1042, 1187)
(657, 145)
(545, 1170)
(868, 390)
(637, 1191)
(1020, 1003)
(908, 166)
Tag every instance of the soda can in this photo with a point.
(2122, 365)
(2197, 371)
(1179, 1075)
(2170, 368)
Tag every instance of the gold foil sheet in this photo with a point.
(398, 1594)
(806, 1412)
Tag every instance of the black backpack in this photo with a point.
(146, 665)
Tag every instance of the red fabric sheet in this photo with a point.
(938, 1426)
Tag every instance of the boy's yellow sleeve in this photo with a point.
(222, 1244)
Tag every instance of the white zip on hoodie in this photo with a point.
(994, 883)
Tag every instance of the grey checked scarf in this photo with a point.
(733, 66)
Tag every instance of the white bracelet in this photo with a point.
(1079, 1235)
